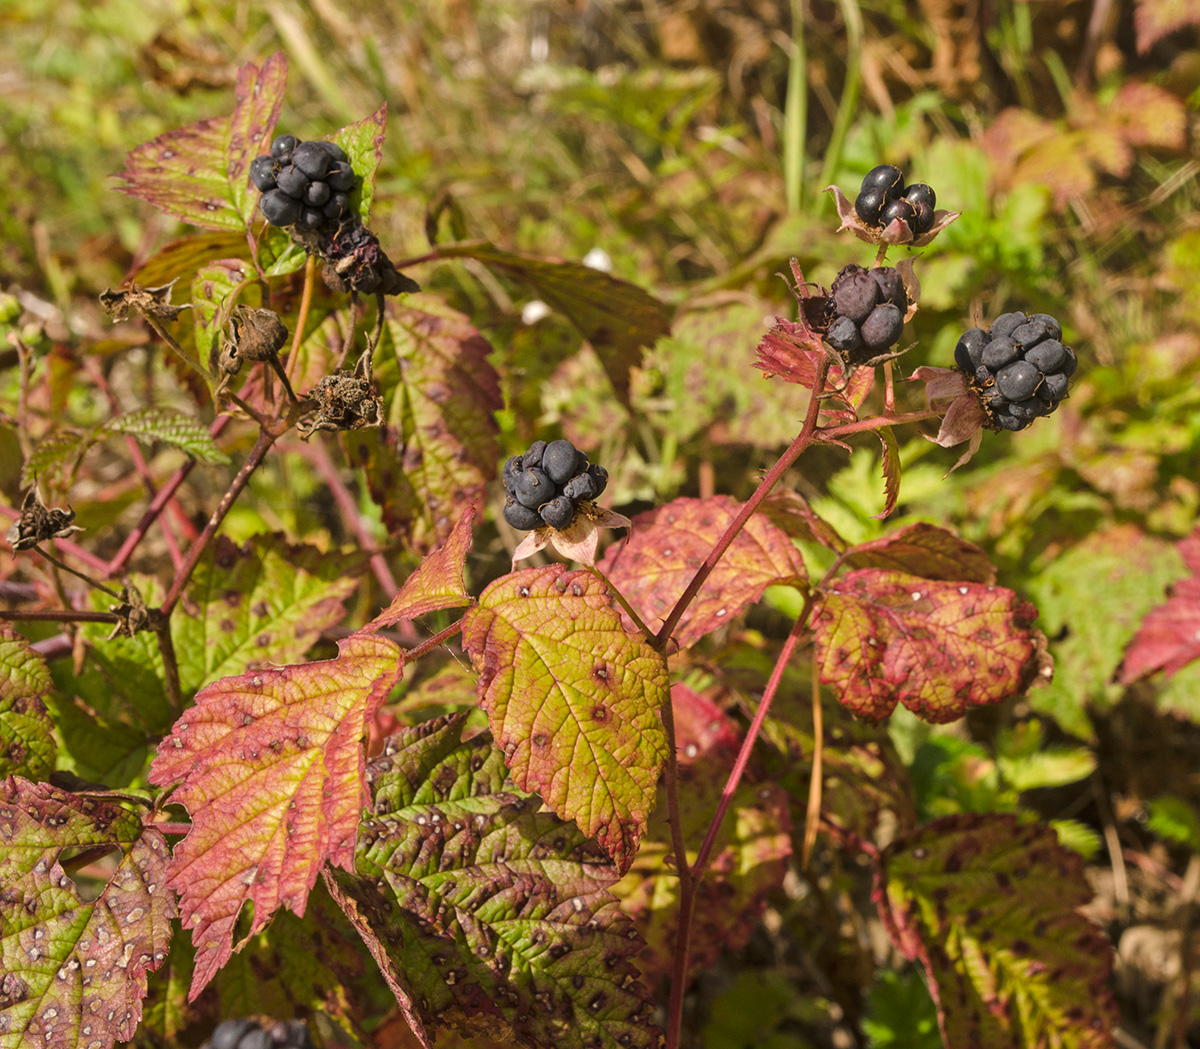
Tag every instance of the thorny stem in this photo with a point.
(265, 439)
(687, 898)
(812, 815)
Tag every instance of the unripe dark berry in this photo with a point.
(843, 335)
(560, 461)
(855, 294)
(558, 512)
(883, 327)
(891, 287)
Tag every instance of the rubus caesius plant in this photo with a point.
(551, 859)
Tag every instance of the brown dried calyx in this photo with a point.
(133, 615)
(354, 261)
(39, 522)
(252, 335)
(345, 401)
(150, 302)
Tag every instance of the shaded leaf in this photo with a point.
(617, 318)
(988, 905)
(363, 143)
(667, 544)
(75, 971)
(791, 513)
(891, 471)
(211, 289)
(56, 449)
(437, 582)
(171, 427)
(572, 699)
(27, 745)
(489, 906)
(199, 173)
(440, 449)
(1169, 637)
(938, 647)
(270, 767)
(927, 551)
(183, 257)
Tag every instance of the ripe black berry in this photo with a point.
(338, 205)
(968, 354)
(1055, 386)
(582, 486)
(1049, 356)
(1051, 324)
(228, 1033)
(918, 192)
(333, 149)
(310, 218)
(883, 327)
(278, 208)
(855, 293)
(898, 209)
(923, 218)
(256, 1038)
(1018, 380)
(600, 476)
(886, 177)
(999, 352)
(843, 335)
(560, 461)
(340, 177)
(533, 457)
(1006, 324)
(521, 517)
(310, 158)
(533, 487)
(1068, 369)
(891, 287)
(262, 173)
(316, 194)
(558, 512)
(292, 181)
(284, 144)
(869, 205)
(512, 467)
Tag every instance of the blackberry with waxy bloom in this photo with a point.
(546, 485)
(1019, 368)
(304, 184)
(868, 312)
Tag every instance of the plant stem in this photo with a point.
(57, 616)
(265, 439)
(310, 269)
(438, 639)
(852, 16)
(79, 575)
(795, 117)
(812, 815)
(624, 603)
(876, 422)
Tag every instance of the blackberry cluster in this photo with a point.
(884, 198)
(1019, 367)
(250, 1034)
(868, 311)
(547, 483)
(303, 184)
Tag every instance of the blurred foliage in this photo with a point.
(654, 132)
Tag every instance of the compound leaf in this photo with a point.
(1169, 637)
(938, 647)
(437, 582)
(174, 428)
(27, 744)
(270, 767)
(489, 905)
(667, 544)
(988, 905)
(927, 551)
(617, 318)
(363, 143)
(440, 448)
(75, 971)
(573, 700)
(199, 173)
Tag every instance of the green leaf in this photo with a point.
(27, 745)
(200, 173)
(270, 767)
(572, 699)
(900, 1014)
(440, 450)
(363, 143)
(171, 427)
(616, 318)
(484, 902)
(75, 971)
(211, 289)
(989, 906)
(1175, 820)
(56, 449)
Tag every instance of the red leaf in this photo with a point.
(1169, 637)
(792, 351)
(199, 173)
(666, 546)
(891, 471)
(791, 512)
(927, 551)
(437, 582)
(270, 766)
(938, 647)
(701, 727)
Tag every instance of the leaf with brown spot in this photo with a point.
(927, 551)
(989, 907)
(497, 912)
(270, 766)
(437, 582)
(938, 647)
(27, 745)
(1169, 637)
(616, 317)
(440, 449)
(74, 972)
(200, 173)
(667, 544)
(573, 700)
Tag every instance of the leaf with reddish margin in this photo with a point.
(200, 173)
(617, 318)
(667, 544)
(927, 551)
(211, 288)
(363, 143)
(1154, 19)
(440, 449)
(792, 351)
(891, 471)
(270, 767)
(938, 647)
(27, 744)
(1169, 637)
(573, 700)
(988, 905)
(493, 910)
(791, 513)
(437, 582)
(74, 971)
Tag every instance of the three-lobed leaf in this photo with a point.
(988, 905)
(74, 971)
(573, 700)
(668, 544)
(270, 766)
(27, 745)
(486, 904)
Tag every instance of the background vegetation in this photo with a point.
(686, 144)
